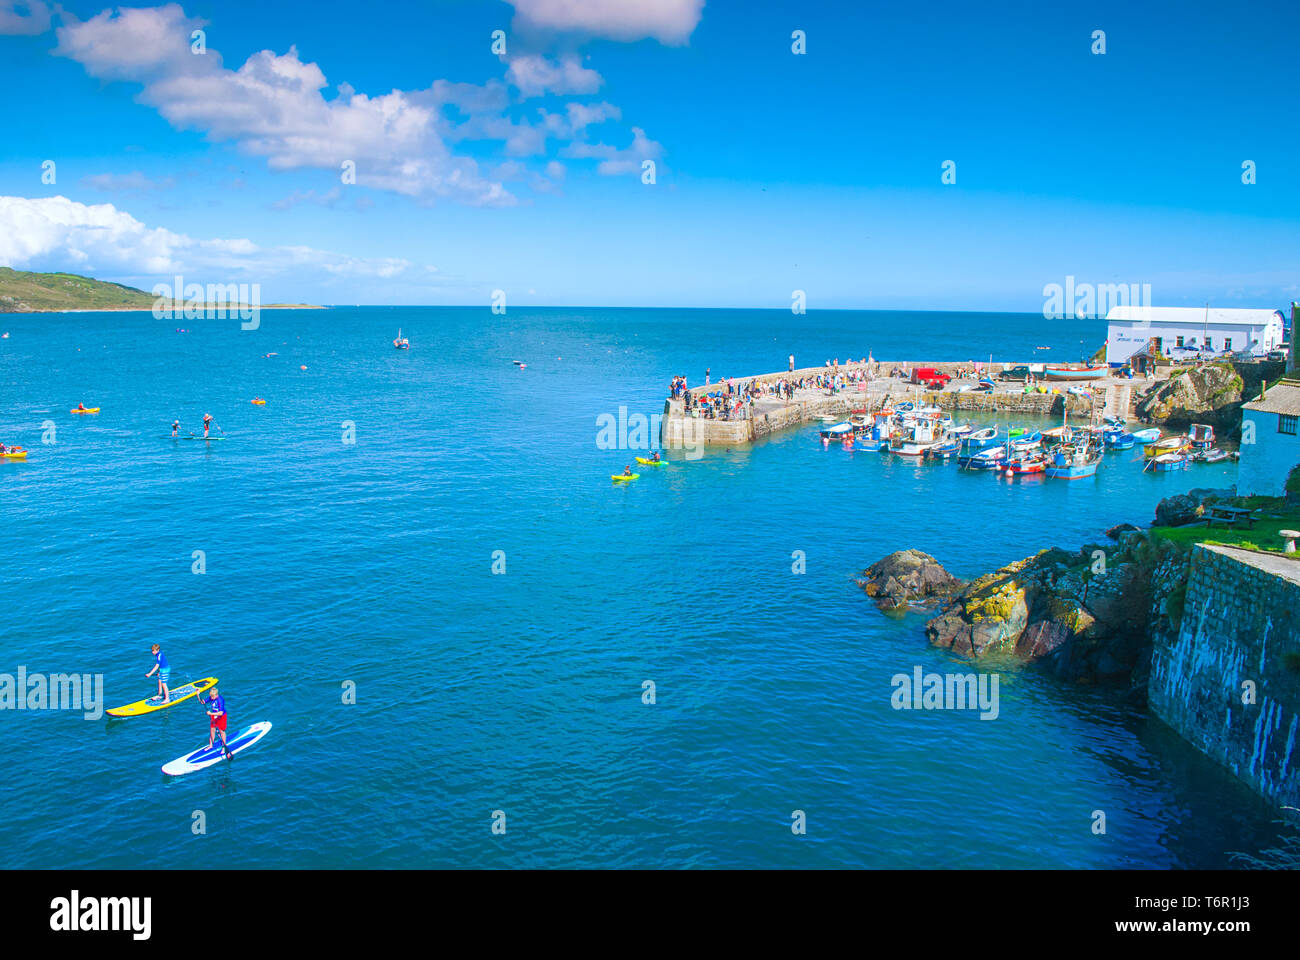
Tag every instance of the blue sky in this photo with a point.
(774, 172)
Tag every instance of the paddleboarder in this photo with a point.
(164, 671)
(216, 707)
(207, 423)
(176, 428)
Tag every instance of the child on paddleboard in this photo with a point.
(216, 705)
(164, 669)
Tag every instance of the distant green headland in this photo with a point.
(23, 292)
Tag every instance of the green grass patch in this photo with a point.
(1263, 536)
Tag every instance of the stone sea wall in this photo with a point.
(1228, 679)
(677, 430)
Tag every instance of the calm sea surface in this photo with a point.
(330, 564)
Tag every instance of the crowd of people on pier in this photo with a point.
(727, 400)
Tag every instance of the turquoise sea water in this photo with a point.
(372, 562)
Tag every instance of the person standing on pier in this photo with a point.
(708, 372)
(792, 363)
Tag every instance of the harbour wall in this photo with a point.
(678, 431)
(1229, 680)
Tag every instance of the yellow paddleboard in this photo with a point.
(141, 707)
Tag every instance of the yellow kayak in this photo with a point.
(652, 463)
(623, 477)
(85, 410)
(15, 454)
(153, 704)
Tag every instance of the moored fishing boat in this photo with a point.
(990, 459)
(1167, 462)
(1073, 461)
(1026, 442)
(1200, 436)
(1034, 463)
(1146, 436)
(1056, 436)
(916, 438)
(973, 443)
(871, 434)
(1119, 440)
(1075, 373)
(1214, 455)
(1176, 444)
(836, 433)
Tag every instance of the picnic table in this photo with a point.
(1221, 513)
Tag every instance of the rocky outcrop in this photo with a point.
(906, 577)
(1210, 394)
(1087, 616)
(1177, 511)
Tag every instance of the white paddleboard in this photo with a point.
(206, 756)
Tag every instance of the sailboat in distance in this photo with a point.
(401, 343)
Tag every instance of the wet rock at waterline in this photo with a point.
(905, 577)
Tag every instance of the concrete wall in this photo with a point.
(1240, 622)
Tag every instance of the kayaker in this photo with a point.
(164, 671)
(176, 428)
(81, 406)
(216, 706)
(207, 422)
(655, 456)
(627, 470)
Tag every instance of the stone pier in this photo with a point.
(771, 414)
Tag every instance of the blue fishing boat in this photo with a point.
(1120, 440)
(1073, 462)
(1166, 462)
(976, 443)
(990, 459)
(944, 451)
(1026, 442)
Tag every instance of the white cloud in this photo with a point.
(536, 75)
(24, 19)
(615, 161)
(282, 109)
(272, 106)
(668, 21)
(55, 233)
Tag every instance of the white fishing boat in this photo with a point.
(916, 438)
